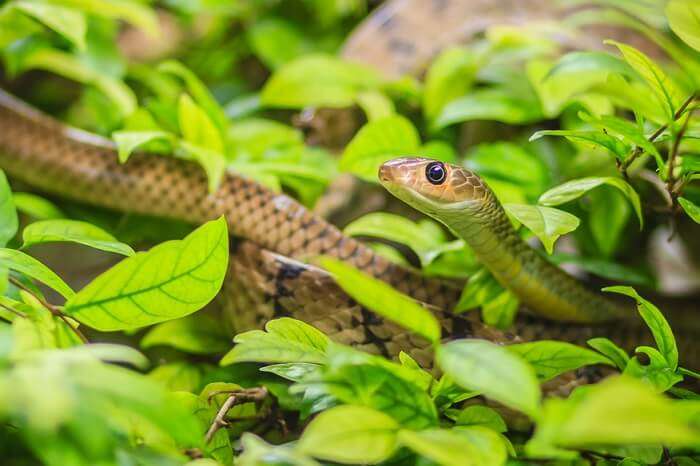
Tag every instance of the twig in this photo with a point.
(638, 150)
(237, 397)
(51, 308)
(14, 311)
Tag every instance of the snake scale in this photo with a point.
(267, 276)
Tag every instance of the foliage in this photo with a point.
(575, 144)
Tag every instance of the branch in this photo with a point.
(237, 397)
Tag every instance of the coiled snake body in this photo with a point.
(267, 276)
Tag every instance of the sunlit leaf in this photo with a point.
(462, 446)
(546, 223)
(74, 231)
(597, 138)
(285, 340)
(32, 268)
(493, 370)
(576, 188)
(199, 334)
(36, 206)
(551, 358)
(381, 298)
(128, 141)
(479, 415)
(68, 22)
(375, 104)
(450, 76)
(606, 269)
(172, 280)
(350, 434)
(655, 320)
(656, 371)
(610, 350)
(376, 142)
(684, 19)
(276, 41)
(690, 208)
(8, 213)
(574, 63)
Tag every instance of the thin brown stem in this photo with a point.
(51, 308)
(655, 135)
(13, 311)
(236, 397)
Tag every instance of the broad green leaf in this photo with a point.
(500, 311)
(655, 320)
(381, 298)
(665, 90)
(375, 104)
(551, 358)
(546, 223)
(350, 434)
(196, 126)
(198, 334)
(576, 188)
(172, 280)
(656, 372)
(574, 63)
(399, 229)
(597, 138)
(610, 350)
(68, 66)
(376, 142)
(178, 376)
(450, 76)
(129, 141)
(32, 268)
(318, 81)
(285, 340)
(199, 92)
(74, 231)
(481, 288)
(489, 104)
(617, 411)
(462, 446)
(684, 19)
(690, 208)
(479, 415)
(492, 370)
(36, 206)
(8, 213)
(257, 452)
(378, 388)
(68, 22)
(608, 216)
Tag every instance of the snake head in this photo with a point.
(432, 186)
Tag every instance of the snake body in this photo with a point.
(267, 276)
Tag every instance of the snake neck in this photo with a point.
(539, 285)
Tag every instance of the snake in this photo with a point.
(269, 270)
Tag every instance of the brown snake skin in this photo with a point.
(267, 277)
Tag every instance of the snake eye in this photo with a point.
(436, 172)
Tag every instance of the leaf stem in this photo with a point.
(237, 397)
(51, 308)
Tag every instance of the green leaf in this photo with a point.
(663, 86)
(381, 298)
(32, 268)
(656, 372)
(36, 206)
(74, 231)
(493, 370)
(172, 280)
(574, 63)
(377, 142)
(479, 415)
(450, 76)
(551, 358)
(257, 452)
(378, 388)
(318, 81)
(213, 163)
(398, 229)
(129, 141)
(132, 11)
(375, 104)
(546, 223)
(286, 340)
(68, 22)
(178, 376)
(684, 19)
(196, 126)
(655, 320)
(277, 41)
(576, 188)
(500, 311)
(8, 213)
(350, 434)
(489, 104)
(464, 446)
(613, 352)
(690, 208)
(606, 269)
(616, 411)
(597, 138)
(198, 91)
(198, 334)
